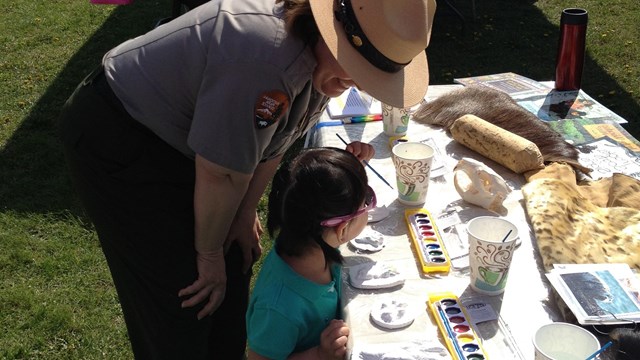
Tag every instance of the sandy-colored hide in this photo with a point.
(478, 184)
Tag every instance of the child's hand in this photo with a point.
(333, 340)
(361, 150)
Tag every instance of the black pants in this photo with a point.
(138, 191)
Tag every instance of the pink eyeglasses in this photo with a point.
(369, 204)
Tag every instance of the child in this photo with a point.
(317, 202)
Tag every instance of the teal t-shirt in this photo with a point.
(287, 312)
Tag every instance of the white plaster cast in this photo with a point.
(478, 184)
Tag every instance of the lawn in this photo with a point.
(56, 296)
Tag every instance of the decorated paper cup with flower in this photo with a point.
(492, 242)
(412, 161)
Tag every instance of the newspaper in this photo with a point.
(542, 100)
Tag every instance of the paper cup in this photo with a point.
(412, 161)
(489, 256)
(563, 341)
(395, 121)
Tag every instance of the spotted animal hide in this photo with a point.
(579, 223)
(583, 222)
(571, 230)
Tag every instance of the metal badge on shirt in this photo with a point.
(270, 107)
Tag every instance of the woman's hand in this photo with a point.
(246, 231)
(364, 152)
(217, 196)
(211, 284)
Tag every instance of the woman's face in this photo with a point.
(329, 78)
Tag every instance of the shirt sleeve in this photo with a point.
(271, 334)
(225, 129)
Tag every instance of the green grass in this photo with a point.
(57, 300)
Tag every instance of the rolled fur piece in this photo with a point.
(501, 110)
(502, 146)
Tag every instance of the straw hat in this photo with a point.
(380, 44)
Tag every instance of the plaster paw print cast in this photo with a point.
(379, 213)
(391, 313)
(370, 240)
(374, 275)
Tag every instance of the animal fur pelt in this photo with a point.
(501, 110)
(626, 344)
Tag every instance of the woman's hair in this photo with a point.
(300, 21)
(318, 184)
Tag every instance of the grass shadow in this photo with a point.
(33, 174)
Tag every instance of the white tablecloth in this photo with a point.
(525, 304)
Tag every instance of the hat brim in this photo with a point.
(404, 88)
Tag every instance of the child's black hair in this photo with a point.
(318, 184)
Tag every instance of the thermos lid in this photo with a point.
(574, 16)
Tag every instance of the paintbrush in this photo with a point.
(603, 348)
(367, 163)
(450, 333)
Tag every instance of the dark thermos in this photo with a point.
(571, 48)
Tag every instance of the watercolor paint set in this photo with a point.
(455, 326)
(427, 242)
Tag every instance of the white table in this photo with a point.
(524, 306)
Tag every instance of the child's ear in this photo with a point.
(341, 230)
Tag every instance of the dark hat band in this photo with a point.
(360, 42)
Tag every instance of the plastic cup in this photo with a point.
(412, 161)
(563, 341)
(490, 256)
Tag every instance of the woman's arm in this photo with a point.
(246, 228)
(217, 196)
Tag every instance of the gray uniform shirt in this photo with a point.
(224, 81)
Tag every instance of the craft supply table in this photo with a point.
(523, 307)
